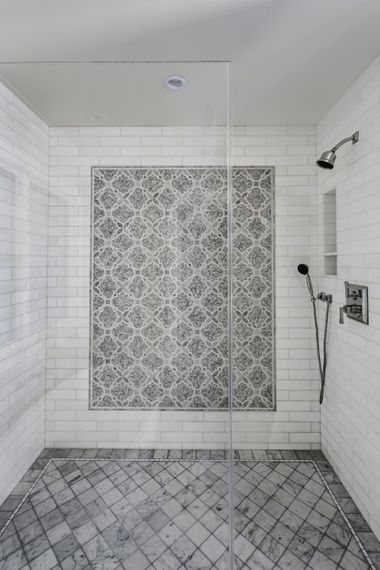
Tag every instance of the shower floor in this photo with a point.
(164, 510)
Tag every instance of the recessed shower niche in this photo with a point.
(330, 234)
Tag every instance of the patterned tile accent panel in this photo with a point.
(253, 288)
(141, 513)
(159, 288)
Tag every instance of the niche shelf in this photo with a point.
(329, 228)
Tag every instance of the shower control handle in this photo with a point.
(356, 307)
(342, 310)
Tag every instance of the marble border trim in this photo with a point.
(225, 460)
(27, 494)
(344, 516)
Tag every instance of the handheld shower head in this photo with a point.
(328, 158)
(303, 269)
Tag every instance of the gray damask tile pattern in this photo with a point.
(159, 288)
(253, 303)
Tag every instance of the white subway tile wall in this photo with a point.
(23, 286)
(69, 423)
(351, 411)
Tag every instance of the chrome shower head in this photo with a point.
(328, 157)
(327, 160)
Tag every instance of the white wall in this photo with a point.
(23, 287)
(351, 412)
(296, 423)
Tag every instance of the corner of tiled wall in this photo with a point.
(351, 411)
(23, 297)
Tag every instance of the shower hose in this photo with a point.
(322, 362)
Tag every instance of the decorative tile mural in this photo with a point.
(159, 282)
(253, 288)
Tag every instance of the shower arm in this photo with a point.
(354, 138)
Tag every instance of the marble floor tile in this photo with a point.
(136, 511)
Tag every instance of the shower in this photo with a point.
(328, 157)
(303, 269)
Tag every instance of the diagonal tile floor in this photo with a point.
(285, 510)
(102, 509)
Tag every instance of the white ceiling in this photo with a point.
(291, 59)
(111, 94)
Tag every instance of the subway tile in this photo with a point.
(93, 144)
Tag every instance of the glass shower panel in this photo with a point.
(140, 276)
(260, 534)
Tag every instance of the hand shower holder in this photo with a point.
(325, 297)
